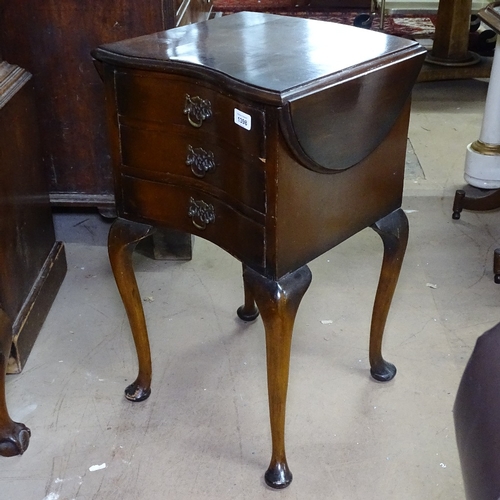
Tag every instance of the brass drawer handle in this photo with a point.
(200, 161)
(197, 110)
(201, 213)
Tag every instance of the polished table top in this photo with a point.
(248, 47)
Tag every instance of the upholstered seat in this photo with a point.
(477, 419)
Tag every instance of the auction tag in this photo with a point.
(242, 119)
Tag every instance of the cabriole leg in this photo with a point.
(278, 302)
(14, 437)
(393, 230)
(248, 311)
(123, 238)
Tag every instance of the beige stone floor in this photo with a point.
(204, 432)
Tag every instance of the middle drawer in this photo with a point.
(197, 155)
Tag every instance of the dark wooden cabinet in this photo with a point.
(33, 263)
(53, 41)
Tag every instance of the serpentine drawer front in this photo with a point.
(276, 138)
(173, 132)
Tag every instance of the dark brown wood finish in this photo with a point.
(53, 41)
(33, 264)
(297, 150)
(491, 15)
(393, 229)
(14, 436)
(248, 311)
(278, 302)
(123, 237)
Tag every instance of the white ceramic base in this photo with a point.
(482, 171)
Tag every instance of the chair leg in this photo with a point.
(123, 238)
(278, 302)
(496, 265)
(475, 199)
(14, 437)
(393, 229)
(479, 200)
(382, 14)
(248, 311)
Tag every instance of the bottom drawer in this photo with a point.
(196, 212)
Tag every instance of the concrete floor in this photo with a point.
(204, 432)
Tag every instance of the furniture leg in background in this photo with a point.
(14, 437)
(482, 162)
(450, 58)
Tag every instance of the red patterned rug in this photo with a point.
(409, 26)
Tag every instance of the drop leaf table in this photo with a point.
(274, 137)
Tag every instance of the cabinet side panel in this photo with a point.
(329, 208)
(26, 228)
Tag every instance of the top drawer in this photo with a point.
(171, 99)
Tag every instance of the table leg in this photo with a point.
(248, 311)
(451, 38)
(278, 302)
(14, 437)
(393, 229)
(123, 238)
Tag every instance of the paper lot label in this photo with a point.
(242, 119)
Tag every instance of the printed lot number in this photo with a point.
(244, 120)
